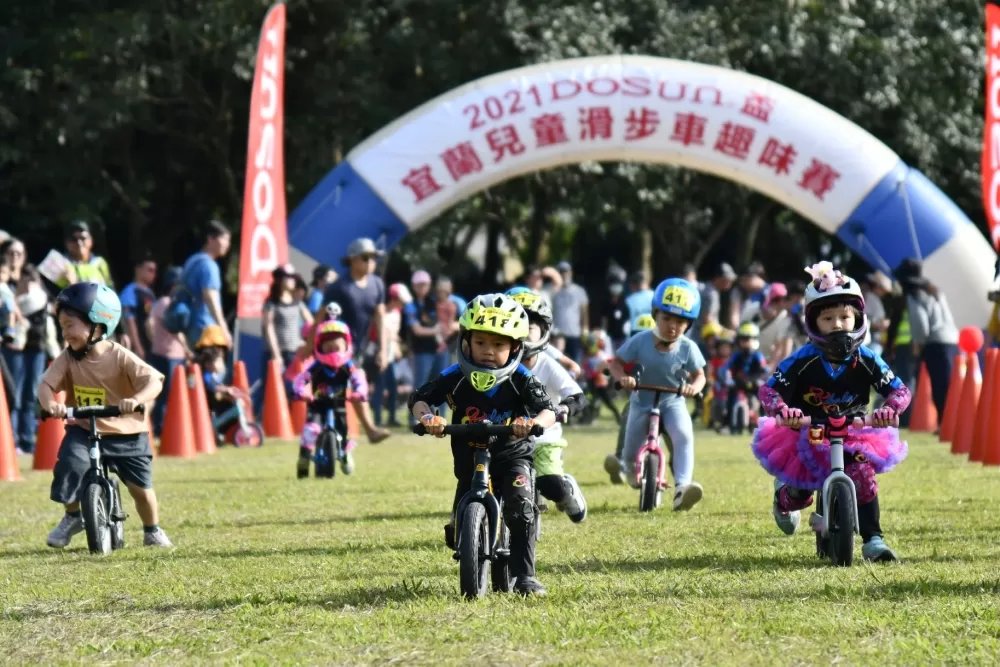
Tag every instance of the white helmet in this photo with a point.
(827, 288)
(333, 310)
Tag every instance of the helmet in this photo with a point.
(97, 303)
(496, 314)
(333, 310)
(678, 297)
(726, 336)
(539, 312)
(830, 288)
(327, 331)
(748, 330)
(172, 276)
(211, 336)
(711, 330)
(644, 322)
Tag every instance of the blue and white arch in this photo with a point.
(655, 110)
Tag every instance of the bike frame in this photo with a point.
(329, 424)
(98, 471)
(652, 446)
(836, 432)
(236, 411)
(481, 492)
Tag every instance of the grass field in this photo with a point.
(268, 570)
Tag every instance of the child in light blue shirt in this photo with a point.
(669, 359)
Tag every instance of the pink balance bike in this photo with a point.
(650, 462)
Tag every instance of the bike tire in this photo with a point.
(649, 484)
(117, 525)
(741, 418)
(324, 444)
(841, 523)
(252, 436)
(473, 562)
(503, 580)
(95, 519)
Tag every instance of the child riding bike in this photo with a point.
(597, 346)
(671, 359)
(95, 371)
(721, 352)
(746, 370)
(553, 483)
(329, 377)
(210, 355)
(832, 374)
(613, 462)
(489, 384)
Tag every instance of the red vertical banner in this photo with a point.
(990, 159)
(264, 244)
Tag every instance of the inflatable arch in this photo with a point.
(643, 109)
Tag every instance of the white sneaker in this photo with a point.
(576, 505)
(687, 496)
(64, 532)
(156, 539)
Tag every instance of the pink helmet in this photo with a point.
(326, 331)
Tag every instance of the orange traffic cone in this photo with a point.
(177, 438)
(277, 422)
(924, 419)
(987, 399)
(298, 412)
(201, 420)
(966, 427)
(240, 380)
(991, 449)
(353, 425)
(9, 472)
(48, 438)
(954, 402)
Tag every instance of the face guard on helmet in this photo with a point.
(538, 313)
(330, 330)
(496, 314)
(832, 288)
(96, 304)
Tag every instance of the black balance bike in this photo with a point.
(482, 540)
(101, 505)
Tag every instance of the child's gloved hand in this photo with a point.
(434, 424)
(884, 417)
(792, 417)
(522, 427)
(627, 383)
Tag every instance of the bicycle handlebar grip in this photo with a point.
(858, 422)
(418, 429)
(98, 411)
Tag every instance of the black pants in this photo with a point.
(939, 358)
(512, 482)
(603, 394)
(573, 348)
(553, 487)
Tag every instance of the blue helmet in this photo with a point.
(97, 303)
(678, 297)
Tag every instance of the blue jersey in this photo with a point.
(745, 366)
(638, 304)
(807, 381)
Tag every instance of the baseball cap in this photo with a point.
(360, 247)
(726, 271)
(420, 277)
(564, 266)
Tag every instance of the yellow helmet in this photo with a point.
(496, 314)
(644, 322)
(726, 336)
(748, 330)
(211, 336)
(711, 330)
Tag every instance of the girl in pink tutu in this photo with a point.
(831, 374)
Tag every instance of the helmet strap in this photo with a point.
(80, 354)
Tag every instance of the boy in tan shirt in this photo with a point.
(95, 371)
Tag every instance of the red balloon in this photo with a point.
(970, 340)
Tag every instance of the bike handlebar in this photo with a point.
(478, 429)
(857, 422)
(637, 370)
(96, 411)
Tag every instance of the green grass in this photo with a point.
(268, 570)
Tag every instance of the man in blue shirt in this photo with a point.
(361, 296)
(640, 300)
(137, 301)
(204, 280)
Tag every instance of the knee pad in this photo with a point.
(792, 501)
(310, 432)
(863, 475)
(519, 513)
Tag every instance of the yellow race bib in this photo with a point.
(86, 397)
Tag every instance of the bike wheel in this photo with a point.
(649, 486)
(95, 519)
(503, 580)
(473, 562)
(117, 520)
(325, 463)
(741, 418)
(841, 524)
(251, 436)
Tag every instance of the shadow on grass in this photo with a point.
(734, 563)
(320, 521)
(343, 549)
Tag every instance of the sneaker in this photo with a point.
(64, 532)
(788, 522)
(575, 506)
(347, 463)
(157, 538)
(613, 467)
(302, 467)
(378, 435)
(687, 496)
(877, 551)
(528, 586)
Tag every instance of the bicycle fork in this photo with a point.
(480, 493)
(652, 438)
(820, 522)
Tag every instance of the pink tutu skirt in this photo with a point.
(787, 454)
